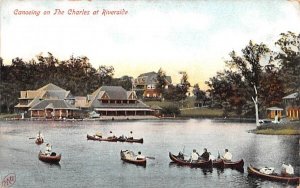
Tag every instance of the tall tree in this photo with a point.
(289, 60)
(249, 65)
(161, 81)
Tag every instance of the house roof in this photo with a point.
(151, 78)
(275, 108)
(49, 87)
(53, 104)
(291, 96)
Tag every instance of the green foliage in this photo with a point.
(75, 74)
(170, 110)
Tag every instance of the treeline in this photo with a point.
(273, 73)
(75, 74)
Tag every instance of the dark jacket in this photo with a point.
(205, 156)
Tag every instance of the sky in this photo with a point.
(192, 36)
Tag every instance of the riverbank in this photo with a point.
(292, 128)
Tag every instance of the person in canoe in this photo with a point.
(205, 155)
(48, 149)
(130, 137)
(227, 155)
(194, 156)
(140, 156)
(40, 136)
(111, 135)
(98, 134)
(287, 170)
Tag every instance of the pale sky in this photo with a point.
(192, 36)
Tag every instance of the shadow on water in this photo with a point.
(52, 165)
(126, 164)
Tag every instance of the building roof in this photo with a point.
(292, 96)
(53, 104)
(50, 87)
(275, 108)
(151, 78)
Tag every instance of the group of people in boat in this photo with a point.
(131, 155)
(286, 170)
(112, 135)
(195, 156)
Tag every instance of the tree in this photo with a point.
(289, 61)
(105, 74)
(249, 65)
(161, 81)
(199, 94)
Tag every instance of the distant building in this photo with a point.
(49, 101)
(115, 101)
(146, 83)
(292, 106)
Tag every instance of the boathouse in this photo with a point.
(49, 101)
(292, 106)
(116, 101)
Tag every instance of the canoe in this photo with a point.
(219, 163)
(39, 141)
(200, 163)
(89, 137)
(132, 160)
(133, 140)
(273, 177)
(49, 159)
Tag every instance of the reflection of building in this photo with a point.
(292, 106)
(146, 83)
(116, 101)
(49, 101)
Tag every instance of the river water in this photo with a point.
(97, 164)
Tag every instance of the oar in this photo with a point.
(32, 138)
(150, 157)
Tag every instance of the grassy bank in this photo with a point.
(201, 112)
(288, 129)
(4, 116)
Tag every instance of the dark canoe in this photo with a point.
(141, 162)
(89, 137)
(49, 159)
(219, 163)
(140, 140)
(273, 177)
(39, 141)
(200, 163)
(109, 139)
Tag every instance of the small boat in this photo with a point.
(49, 158)
(272, 177)
(113, 139)
(39, 141)
(130, 157)
(199, 163)
(220, 163)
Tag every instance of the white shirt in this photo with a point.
(140, 157)
(288, 169)
(267, 170)
(195, 156)
(227, 156)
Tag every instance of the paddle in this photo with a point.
(32, 138)
(150, 157)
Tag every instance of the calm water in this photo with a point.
(97, 164)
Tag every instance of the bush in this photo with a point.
(170, 110)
